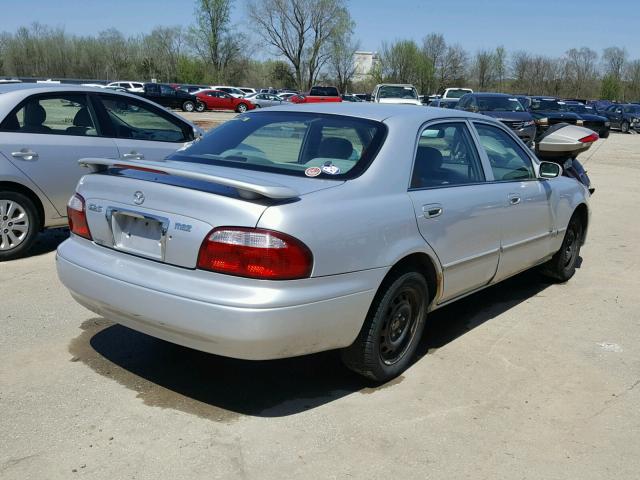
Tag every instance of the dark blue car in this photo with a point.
(502, 107)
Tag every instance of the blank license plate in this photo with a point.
(138, 234)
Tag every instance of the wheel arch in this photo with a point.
(582, 212)
(27, 192)
(423, 263)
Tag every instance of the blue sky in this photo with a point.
(542, 26)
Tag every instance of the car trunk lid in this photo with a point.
(164, 210)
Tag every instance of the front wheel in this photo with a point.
(624, 127)
(18, 224)
(188, 106)
(393, 327)
(241, 108)
(562, 265)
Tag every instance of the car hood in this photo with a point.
(400, 101)
(590, 117)
(556, 115)
(509, 116)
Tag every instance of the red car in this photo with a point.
(217, 100)
(318, 95)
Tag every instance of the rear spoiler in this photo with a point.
(248, 187)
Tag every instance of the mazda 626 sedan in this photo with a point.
(288, 231)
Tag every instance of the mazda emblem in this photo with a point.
(138, 198)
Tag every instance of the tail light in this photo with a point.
(590, 138)
(77, 216)
(255, 253)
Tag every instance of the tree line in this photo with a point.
(302, 42)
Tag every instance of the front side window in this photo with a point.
(508, 160)
(291, 143)
(64, 114)
(137, 121)
(446, 157)
(167, 90)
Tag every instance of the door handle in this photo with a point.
(514, 199)
(133, 156)
(432, 210)
(25, 154)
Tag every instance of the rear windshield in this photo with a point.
(290, 143)
(393, 91)
(457, 93)
(499, 104)
(324, 92)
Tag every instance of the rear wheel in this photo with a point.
(624, 127)
(188, 106)
(562, 265)
(19, 224)
(200, 107)
(393, 327)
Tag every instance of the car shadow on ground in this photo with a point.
(46, 242)
(171, 376)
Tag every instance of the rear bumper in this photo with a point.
(233, 317)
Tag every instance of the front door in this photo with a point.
(527, 221)
(46, 135)
(457, 211)
(141, 131)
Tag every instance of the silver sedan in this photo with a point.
(285, 232)
(45, 129)
(263, 100)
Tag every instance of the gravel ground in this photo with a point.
(525, 380)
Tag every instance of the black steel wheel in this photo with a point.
(389, 337)
(562, 265)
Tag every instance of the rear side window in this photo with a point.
(291, 143)
(508, 161)
(446, 157)
(137, 121)
(65, 114)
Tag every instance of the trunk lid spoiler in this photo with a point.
(248, 187)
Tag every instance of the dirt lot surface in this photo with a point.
(209, 119)
(525, 380)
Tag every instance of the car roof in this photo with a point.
(375, 111)
(45, 87)
(490, 94)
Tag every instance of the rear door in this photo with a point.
(141, 131)
(46, 135)
(525, 201)
(457, 211)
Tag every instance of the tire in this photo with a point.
(200, 107)
(19, 224)
(624, 127)
(389, 337)
(562, 265)
(258, 106)
(604, 134)
(241, 108)
(188, 106)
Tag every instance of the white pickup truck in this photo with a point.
(456, 93)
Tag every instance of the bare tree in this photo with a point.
(580, 65)
(301, 31)
(614, 59)
(341, 62)
(484, 68)
(500, 61)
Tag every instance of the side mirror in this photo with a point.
(473, 109)
(549, 170)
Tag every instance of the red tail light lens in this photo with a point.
(590, 138)
(77, 216)
(255, 253)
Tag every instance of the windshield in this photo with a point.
(548, 104)
(499, 104)
(290, 143)
(457, 92)
(631, 109)
(578, 108)
(394, 91)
